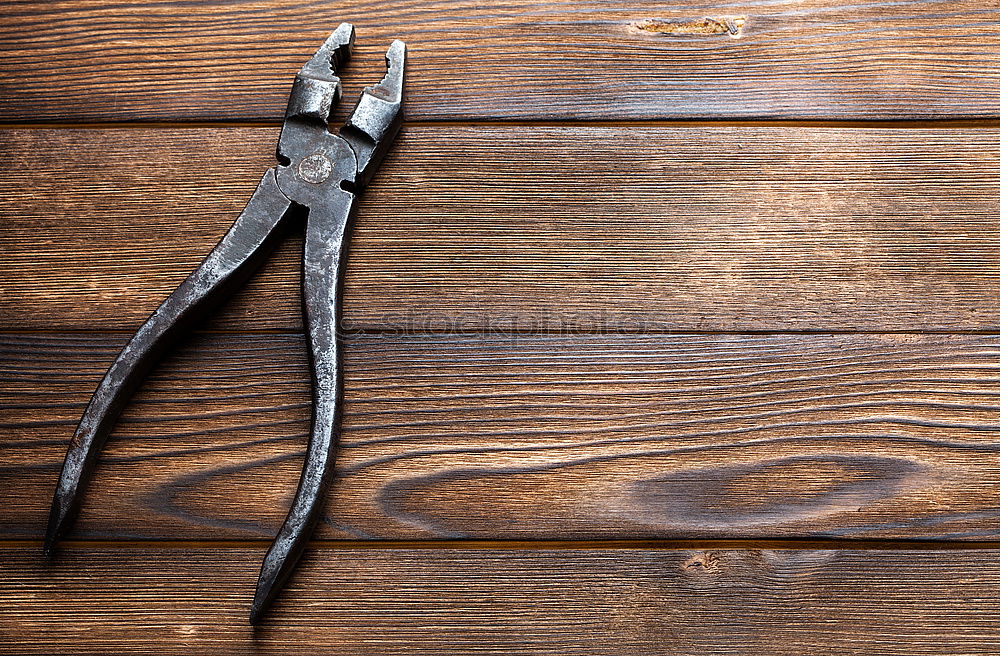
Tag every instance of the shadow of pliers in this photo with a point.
(319, 174)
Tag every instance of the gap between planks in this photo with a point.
(916, 124)
(375, 331)
(776, 544)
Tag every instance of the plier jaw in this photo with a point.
(316, 89)
(372, 126)
(307, 145)
(320, 172)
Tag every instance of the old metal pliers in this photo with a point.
(318, 174)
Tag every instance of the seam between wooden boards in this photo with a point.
(393, 332)
(776, 544)
(942, 123)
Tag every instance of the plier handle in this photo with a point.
(319, 174)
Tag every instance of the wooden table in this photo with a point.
(674, 330)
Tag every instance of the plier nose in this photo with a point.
(319, 172)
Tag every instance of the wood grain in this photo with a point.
(578, 437)
(511, 378)
(168, 60)
(530, 229)
(797, 602)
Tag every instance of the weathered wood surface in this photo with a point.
(637, 228)
(530, 438)
(517, 60)
(795, 602)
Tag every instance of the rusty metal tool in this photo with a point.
(318, 176)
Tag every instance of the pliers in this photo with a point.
(319, 175)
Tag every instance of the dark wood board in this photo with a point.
(624, 229)
(413, 601)
(545, 438)
(167, 60)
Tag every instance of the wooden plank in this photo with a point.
(795, 602)
(500, 228)
(516, 60)
(578, 437)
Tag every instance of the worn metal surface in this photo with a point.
(318, 174)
